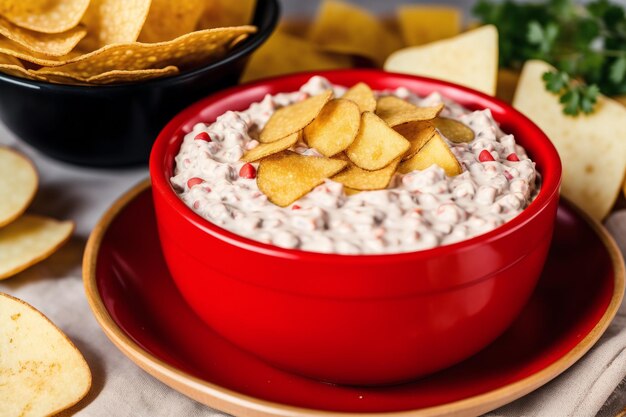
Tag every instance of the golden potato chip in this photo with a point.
(14, 49)
(417, 133)
(376, 144)
(169, 19)
(421, 24)
(356, 178)
(123, 76)
(334, 128)
(434, 152)
(193, 48)
(592, 147)
(395, 111)
(363, 96)
(47, 16)
(18, 184)
(469, 59)
(267, 149)
(346, 29)
(350, 191)
(42, 371)
(293, 118)
(287, 176)
(223, 13)
(283, 54)
(58, 44)
(114, 21)
(28, 240)
(454, 130)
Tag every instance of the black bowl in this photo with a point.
(116, 125)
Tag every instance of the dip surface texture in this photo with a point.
(419, 210)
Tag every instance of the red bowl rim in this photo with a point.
(171, 136)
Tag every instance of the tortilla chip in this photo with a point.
(267, 149)
(28, 240)
(169, 19)
(18, 184)
(13, 66)
(363, 96)
(42, 371)
(434, 152)
(346, 29)
(454, 130)
(47, 16)
(469, 59)
(48, 44)
(417, 133)
(286, 177)
(122, 76)
(396, 111)
(356, 178)
(294, 117)
(421, 24)
(194, 48)
(285, 54)
(224, 13)
(376, 145)
(114, 21)
(335, 128)
(592, 147)
(15, 50)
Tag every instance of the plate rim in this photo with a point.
(233, 402)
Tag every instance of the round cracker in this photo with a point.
(18, 184)
(29, 240)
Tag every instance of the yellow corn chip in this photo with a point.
(18, 184)
(267, 149)
(193, 48)
(286, 177)
(363, 96)
(47, 16)
(9, 47)
(454, 130)
(469, 59)
(376, 144)
(223, 13)
(347, 29)
(417, 133)
(422, 24)
(396, 111)
(169, 19)
(335, 128)
(356, 178)
(293, 118)
(592, 147)
(114, 21)
(28, 240)
(123, 76)
(48, 44)
(434, 152)
(283, 54)
(12, 66)
(43, 373)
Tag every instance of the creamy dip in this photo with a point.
(419, 210)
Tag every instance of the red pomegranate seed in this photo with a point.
(512, 157)
(194, 181)
(485, 156)
(247, 171)
(295, 207)
(203, 136)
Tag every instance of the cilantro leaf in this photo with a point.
(555, 81)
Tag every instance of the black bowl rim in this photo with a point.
(270, 7)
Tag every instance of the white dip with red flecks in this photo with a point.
(419, 210)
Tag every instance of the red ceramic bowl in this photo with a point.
(365, 319)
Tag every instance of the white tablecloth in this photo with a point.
(122, 389)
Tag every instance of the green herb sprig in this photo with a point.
(587, 45)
